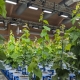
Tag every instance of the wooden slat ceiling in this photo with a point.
(29, 15)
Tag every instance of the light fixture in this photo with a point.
(77, 19)
(47, 11)
(13, 24)
(62, 14)
(12, 1)
(20, 31)
(32, 7)
(35, 27)
(1, 22)
(17, 31)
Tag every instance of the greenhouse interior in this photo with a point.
(39, 39)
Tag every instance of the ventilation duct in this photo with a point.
(76, 0)
(67, 2)
(21, 8)
(46, 15)
(24, 6)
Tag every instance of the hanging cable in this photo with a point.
(43, 2)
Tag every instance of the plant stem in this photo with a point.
(30, 76)
(62, 53)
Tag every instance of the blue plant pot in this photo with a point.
(10, 76)
(16, 78)
(24, 71)
(19, 68)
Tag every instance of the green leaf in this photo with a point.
(65, 76)
(2, 56)
(47, 37)
(40, 40)
(3, 13)
(14, 56)
(45, 22)
(55, 66)
(15, 64)
(58, 31)
(41, 17)
(28, 40)
(19, 61)
(73, 20)
(2, 52)
(68, 47)
(31, 66)
(78, 76)
(74, 35)
(46, 28)
(37, 72)
(44, 56)
(78, 15)
(1, 37)
(71, 29)
(75, 38)
(3, 8)
(43, 33)
(12, 38)
(55, 77)
(26, 33)
(11, 47)
(25, 40)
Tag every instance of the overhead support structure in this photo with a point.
(46, 6)
(55, 8)
(65, 3)
(68, 3)
(21, 22)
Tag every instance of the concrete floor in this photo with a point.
(2, 77)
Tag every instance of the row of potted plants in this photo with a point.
(63, 49)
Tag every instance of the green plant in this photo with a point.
(74, 34)
(76, 13)
(40, 51)
(10, 50)
(26, 52)
(3, 13)
(2, 52)
(3, 8)
(58, 51)
(70, 45)
(61, 54)
(2, 48)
